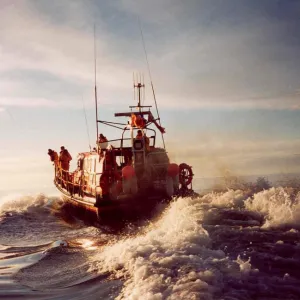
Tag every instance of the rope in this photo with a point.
(152, 87)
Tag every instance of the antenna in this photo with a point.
(143, 82)
(133, 86)
(86, 123)
(138, 84)
(96, 100)
(9, 113)
(151, 80)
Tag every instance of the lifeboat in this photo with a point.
(125, 178)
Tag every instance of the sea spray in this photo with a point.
(231, 198)
(278, 205)
(181, 254)
(171, 259)
(19, 202)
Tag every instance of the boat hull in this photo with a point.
(113, 213)
(123, 210)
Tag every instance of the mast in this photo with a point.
(87, 127)
(139, 85)
(96, 100)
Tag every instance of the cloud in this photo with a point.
(56, 49)
(213, 155)
(199, 56)
(225, 54)
(27, 102)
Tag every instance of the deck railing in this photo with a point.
(73, 185)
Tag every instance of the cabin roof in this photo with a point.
(137, 113)
(88, 153)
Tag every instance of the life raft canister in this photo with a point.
(129, 182)
(185, 174)
(128, 172)
(173, 173)
(169, 187)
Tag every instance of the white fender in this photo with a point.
(176, 182)
(169, 186)
(130, 185)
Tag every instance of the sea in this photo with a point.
(239, 243)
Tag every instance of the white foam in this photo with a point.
(171, 259)
(231, 198)
(278, 207)
(245, 266)
(17, 202)
(21, 202)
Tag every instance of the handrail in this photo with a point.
(64, 176)
(122, 139)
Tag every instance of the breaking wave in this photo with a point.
(170, 259)
(224, 245)
(176, 257)
(280, 207)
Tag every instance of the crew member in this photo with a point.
(103, 143)
(141, 136)
(53, 156)
(64, 159)
(102, 138)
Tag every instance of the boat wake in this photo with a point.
(211, 247)
(223, 245)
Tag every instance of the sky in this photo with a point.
(225, 73)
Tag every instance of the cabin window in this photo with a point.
(80, 163)
(95, 165)
(85, 164)
(91, 165)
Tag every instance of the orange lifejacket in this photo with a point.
(138, 121)
(65, 159)
(54, 157)
(102, 139)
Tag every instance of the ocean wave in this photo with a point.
(20, 203)
(219, 245)
(172, 259)
(280, 207)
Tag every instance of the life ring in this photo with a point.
(128, 172)
(185, 174)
